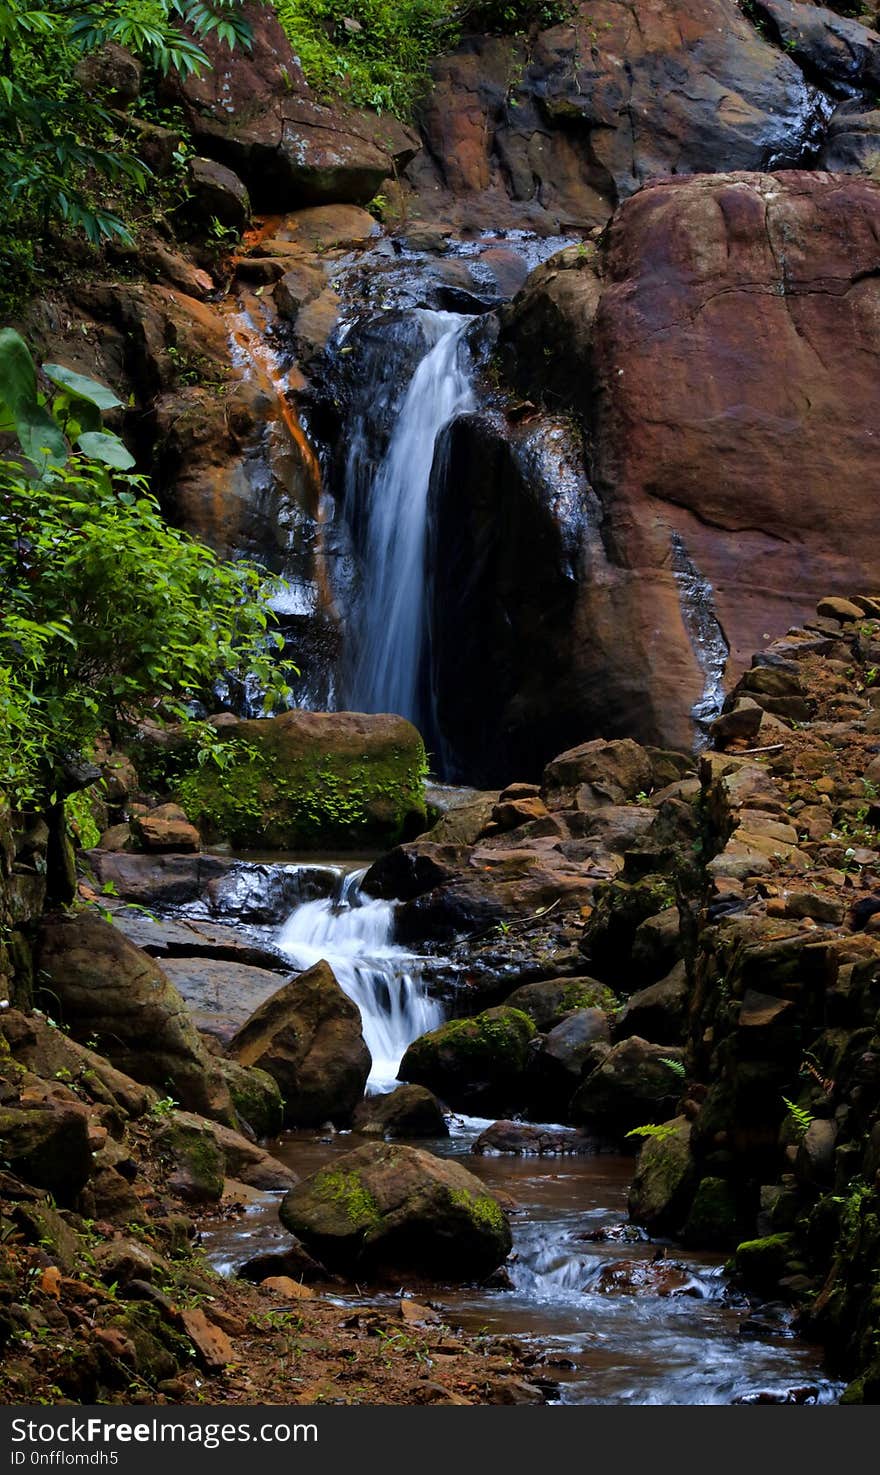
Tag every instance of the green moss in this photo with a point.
(587, 996)
(348, 1192)
(482, 1208)
(257, 799)
(497, 1031)
(761, 1262)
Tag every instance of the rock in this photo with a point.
(761, 1262)
(653, 1278)
(661, 1188)
(291, 1290)
(657, 1012)
(547, 1003)
(597, 773)
(842, 610)
(573, 1048)
(40, 1224)
(312, 778)
(814, 1163)
(110, 990)
(163, 880)
(632, 1087)
(204, 1154)
(254, 112)
(462, 824)
(520, 1140)
(213, 1347)
(217, 194)
(475, 1062)
(124, 1260)
(300, 284)
(315, 324)
(219, 993)
(713, 1222)
(255, 1096)
(839, 52)
(166, 829)
(48, 1146)
(408, 1111)
(111, 74)
(391, 1209)
(852, 140)
(108, 1197)
(307, 1036)
(51, 1054)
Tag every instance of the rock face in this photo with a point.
(107, 989)
(387, 1208)
(634, 1086)
(307, 1036)
(764, 291)
(473, 1063)
(254, 112)
(409, 1111)
(555, 130)
(313, 778)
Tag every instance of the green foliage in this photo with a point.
(656, 1131)
(80, 820)
(675, 1066)
(800, 1118)
(60, 150)
(105, 610)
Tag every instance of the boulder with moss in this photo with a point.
(311, 779)
(388, 1209)
(548, 1002)
(474, 1064)
(664, 1179)
(256, 1097)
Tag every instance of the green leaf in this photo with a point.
(38, 435)
(108, 448)
(82, 387)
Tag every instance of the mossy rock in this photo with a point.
(387, 1209)
(714, 1221)
(474, 1064)
(548, 1002)
(664, 1178)
(256, 1097)
(761, 1263)
(195, 1158)
(310, 780)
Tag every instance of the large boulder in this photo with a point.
(391, 1209)
(634, 1086)
(253, 111)
(663, 1184)
(548, 1002)
(308, 1037)
(476, 1063)
(106, 989)
(48, 1145)
(573, 1048)
(312, 778)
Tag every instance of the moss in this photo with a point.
(713, 1221)
(761, 1262)
(482, 1208)
(259, 799)
(502, 1031)
(348, 1192)
(587, 996)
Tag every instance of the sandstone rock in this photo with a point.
(473, 1063)
(220, 993)
(158, 880)
(328, 778)
(307, 1036)
(291, 1290)
(390, 1209)
(51, 1054)
(255, 1096)
(657, 1012)
(166, 828)
(632, 1087)
(212, 1345)
(217, 193)
(842, 610)
(572, 1049)
(408, 1111)
(203, 1154)
(838, 51)
(297, 286)
(597, 773)
(110, 990)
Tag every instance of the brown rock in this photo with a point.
(214, 1349)
(291, 1290)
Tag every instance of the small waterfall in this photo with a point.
(391, 634)
(353, 933)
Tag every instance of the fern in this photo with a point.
(655, 1131)
(674, 1065)
(799, 1116)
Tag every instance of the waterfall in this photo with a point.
(391, 633)
(354, 933)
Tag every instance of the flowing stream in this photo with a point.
(390, 635)
(612, 1317)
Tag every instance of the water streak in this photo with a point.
(391, 634)
(354, 934)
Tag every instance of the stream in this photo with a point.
(613, 1317)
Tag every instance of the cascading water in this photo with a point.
(389, 640)
(353, 933)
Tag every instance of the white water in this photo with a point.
(353, 933)
(392, 628)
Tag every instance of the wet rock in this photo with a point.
(838, 51)
(408, 1111)
(661, 1188)
(161, 880)
(307, 1036)
(632, 1087)
(48, 1146)
(109, 990)
(644, 1277)
(473, 1063)
(520, 1140)
(390, 1209)
(217, 193)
